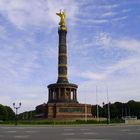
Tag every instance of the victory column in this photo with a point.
(62, 95)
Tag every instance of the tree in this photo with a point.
(10, 113)
(6, 113)
(3, 113)
(134, 108)
(94, 110)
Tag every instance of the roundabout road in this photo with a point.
(122, 132)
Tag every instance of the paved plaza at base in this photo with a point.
(123, 132)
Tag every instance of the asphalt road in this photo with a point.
(122, 132)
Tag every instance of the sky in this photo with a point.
(103, 44)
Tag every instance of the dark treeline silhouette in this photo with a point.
(6, 113)
(28, 115)
(118, 110)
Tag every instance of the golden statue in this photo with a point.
(62, 18)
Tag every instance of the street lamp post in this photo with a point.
(108, 108)
(97, 107)
(16, 108)
(85, 111)
(44, 109)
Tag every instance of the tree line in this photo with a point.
(118, 110)
(6, 113)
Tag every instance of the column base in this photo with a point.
(68, 111)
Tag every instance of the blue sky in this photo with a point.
(103, 43)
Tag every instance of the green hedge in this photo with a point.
(60, 122)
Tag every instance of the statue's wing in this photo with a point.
(58, 14)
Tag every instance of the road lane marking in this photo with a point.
(21, 128)
(84, 129)
(134, 133)
(67, 134)
(5, 127)
(21, 136)
(31, 131)
(82, 139)
(90, 133)
(125, 130)
(68, 129)
(10, 131)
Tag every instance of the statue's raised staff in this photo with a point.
(62, 18)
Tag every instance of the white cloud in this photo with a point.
(24, 13)
(3, 33)
(126, 65)
(29, 96)
(93, 76)
(119, 18)
(24, 59)
(108, 6)
(105, 40)
(93, 21)
(17, 59)
(126, 10)
(128, 44)
(119, 89)
(122, 77)
(33, 12)
(108, 14)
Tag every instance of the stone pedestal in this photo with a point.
(68, 110)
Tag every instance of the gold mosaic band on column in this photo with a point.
(62, 65)
(62, 76)
(62, 28)
(62, 54)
